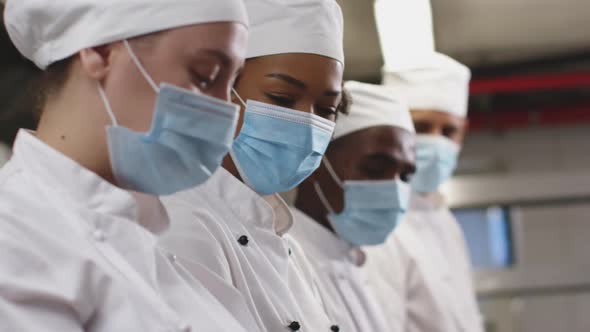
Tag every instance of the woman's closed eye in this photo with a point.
(204, 76)
(327, 112)
(281, 100)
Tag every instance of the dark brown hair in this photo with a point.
(49, 82)
(17, 77)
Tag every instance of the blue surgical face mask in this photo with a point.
(278, 148)
(372, 209)
(436, 160)
(189, 137)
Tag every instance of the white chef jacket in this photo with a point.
(79, 254)
(422, 275)
(340, 280)
(244, 236)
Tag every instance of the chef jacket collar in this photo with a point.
(426, 202)
(325, 242)
(270, 212)
(85, 188)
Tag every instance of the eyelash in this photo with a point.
(281, 100)
(199, 80)
(288, 102)
(331, 111)
(405, 177)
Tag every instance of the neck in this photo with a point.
(230, 166)
(309, 203)
(73, 123)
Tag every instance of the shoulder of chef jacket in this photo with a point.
(432, 272)
(240, 236)
(339, 277)
(79, 254)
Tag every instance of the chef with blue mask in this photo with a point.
(422, 275)
(134, 103)
(356, 199)
(427, 260)
(290, 91)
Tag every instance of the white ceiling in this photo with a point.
(478, 32)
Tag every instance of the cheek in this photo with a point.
(132, 99)
(306, 106)
(245, 93)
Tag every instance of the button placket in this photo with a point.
(98, 233)
(182, 327)
(172, 258)
(243, 240)
(294, 326)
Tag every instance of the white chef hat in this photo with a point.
(372, 106)
(46, 31)
(295, 26)
(432, 82)
(405, 30)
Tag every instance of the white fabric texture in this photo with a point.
(433, 82)
(46, 31)
(372, 106)
(240, 236)
(405, 30)
(339, 277)
(79, 254)
(422, 275)
(295, 26)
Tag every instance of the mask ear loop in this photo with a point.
(318, 188)
(231, 152)
(107, 104)
(140, 67)
(145, 74)
(323, 198)
(238, 96)
(332, 172)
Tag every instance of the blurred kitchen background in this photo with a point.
(522, 192)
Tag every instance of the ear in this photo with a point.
(97, 61)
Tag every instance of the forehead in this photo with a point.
(309, 68)
(381, 139)
(437, 117)
(227, 36)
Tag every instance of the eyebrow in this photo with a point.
(383, 157)
(333, 93)
(394, 160)
(300, 84)
(289, 79)
(224, 58)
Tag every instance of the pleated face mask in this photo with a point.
(278, 148)
(190, 135)
(436, 160)
(372, 209)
